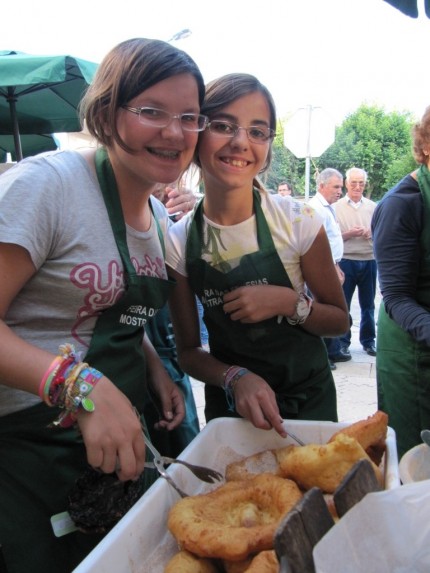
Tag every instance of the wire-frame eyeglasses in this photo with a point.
(159, 118)
(255, 133)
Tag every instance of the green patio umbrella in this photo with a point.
(31, 144)
(41, 94)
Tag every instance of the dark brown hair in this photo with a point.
(226, 89)
(126, 71)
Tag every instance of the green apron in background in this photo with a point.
(292, 361)
(402, 363)
(172, 443)
(44, 463)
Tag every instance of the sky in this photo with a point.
(333, 55)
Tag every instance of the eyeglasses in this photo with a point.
(357, 183)
(255, 133)
(153, 117)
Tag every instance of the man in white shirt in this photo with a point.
(329, 190)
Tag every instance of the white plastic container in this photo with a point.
(140, 542)
(415, 464)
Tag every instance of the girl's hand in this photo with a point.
(112, 433)
(255, 401)
(170, 401)
(255, 303)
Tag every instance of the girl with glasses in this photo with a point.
(252, 258)
(82, 270)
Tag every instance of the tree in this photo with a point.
(377, 141)
(285, 166)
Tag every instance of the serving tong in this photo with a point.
(203, 473)
(292, 436)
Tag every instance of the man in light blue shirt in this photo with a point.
(329, 190)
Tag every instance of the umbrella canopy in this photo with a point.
(30, 145)
(41, 94)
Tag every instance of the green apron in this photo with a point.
(172, 443)
(44, 463)
(402, 363)
(292, 361)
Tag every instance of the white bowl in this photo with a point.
(415, 464)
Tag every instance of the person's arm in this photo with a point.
(254, 399)
(169, 396)
(353, 232)
(329, 316)
(340, 273)
(397, 226)
(180, 201)
(112, 433)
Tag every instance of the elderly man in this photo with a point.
(354, 214)
(329, 190)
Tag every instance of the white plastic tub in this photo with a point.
(415, 464)
(140, 542)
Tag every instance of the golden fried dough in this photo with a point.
(323, 466)
(263, 562)
(186, 562)
(236, 519)
(261, 462)
(369, 432)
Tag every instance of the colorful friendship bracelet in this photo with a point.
(67, 384)
(231, 377)
(76, 396)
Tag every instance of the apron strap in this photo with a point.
(264, 236)
(109, 188)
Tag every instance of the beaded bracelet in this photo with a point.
(76, 391)
(67, 384)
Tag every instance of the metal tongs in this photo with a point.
(201, 472)
(292, 436)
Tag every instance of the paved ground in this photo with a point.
(355, 380)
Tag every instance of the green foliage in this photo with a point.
(285, 166)
(398, 169)
(369, 138)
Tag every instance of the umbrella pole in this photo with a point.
(17, 140)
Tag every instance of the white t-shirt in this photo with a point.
(334, 234)
(52, 206)
(293, 226)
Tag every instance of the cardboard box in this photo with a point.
(140, 542)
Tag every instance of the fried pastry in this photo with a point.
(261, 462)
(369, 433)
(235, 520)
(323, 466)
(186, 562)
(263, 562)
